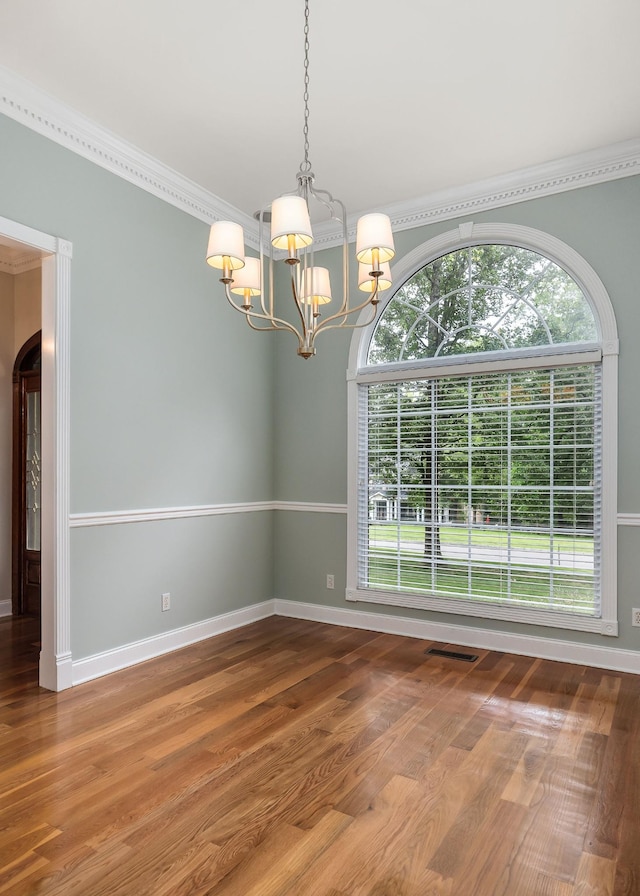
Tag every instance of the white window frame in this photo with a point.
(470, 234)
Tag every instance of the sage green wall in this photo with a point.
(175, 402)
(170, 401)
(209, 565)
(600, 222)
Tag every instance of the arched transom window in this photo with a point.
(480, 442)
(482, 299)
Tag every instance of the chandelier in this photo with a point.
(285, 234)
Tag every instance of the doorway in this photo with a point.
(54, 254)
(27, 479)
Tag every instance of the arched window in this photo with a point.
(484, 477)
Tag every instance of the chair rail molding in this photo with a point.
(119, 517)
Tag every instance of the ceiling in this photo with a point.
(406, 98)
(16, 258)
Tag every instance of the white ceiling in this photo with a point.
(406, 98)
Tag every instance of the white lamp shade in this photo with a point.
(226, 241)
(374, 232)
(290, 218)
(246, 280)
(367, 283)
(316, 286)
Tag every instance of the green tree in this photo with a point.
(480, 299)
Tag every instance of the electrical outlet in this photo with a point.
(166, 602)
(330, 581)
(635, 616)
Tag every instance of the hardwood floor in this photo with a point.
(300, 759)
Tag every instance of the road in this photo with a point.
(562, 559)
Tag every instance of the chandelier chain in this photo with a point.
(306, 165)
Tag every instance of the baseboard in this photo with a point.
(5, 608)
(130, 654)
(526, 645)
(551, 649)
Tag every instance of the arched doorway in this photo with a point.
(27, 479)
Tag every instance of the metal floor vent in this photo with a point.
(453, 655)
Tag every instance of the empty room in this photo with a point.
(319, 491)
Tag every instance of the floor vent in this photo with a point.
(453, 655)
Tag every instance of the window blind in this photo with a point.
(484, 487)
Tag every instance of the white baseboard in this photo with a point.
(525, 645)
(130, 654)
(5, 608)
(551, 649)
(56, 672)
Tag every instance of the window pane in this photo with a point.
(485, 487)
(33, 474)
(479, 299)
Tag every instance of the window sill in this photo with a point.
(485, 610)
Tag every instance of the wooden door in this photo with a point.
(27, 479)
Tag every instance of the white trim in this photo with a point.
(457, 365)
(18, 264)
(469, 233)
(32, 107)
(23, 234)
(629, 519)
(55, 654)
(581, 170)
(5, 608)
(602, 626)
(118, 517)
(526, 645)
(139, 651)
(128, 655)
(306, 507)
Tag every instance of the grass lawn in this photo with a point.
(537, 585)
(486, 536)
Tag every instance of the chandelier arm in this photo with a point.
(328, 202)
(344, 326)
(296, 301)
(274, 327)
(271, 328)
(275, 323)
(268, 312)
(345, 313)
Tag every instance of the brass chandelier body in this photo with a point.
(285, 234)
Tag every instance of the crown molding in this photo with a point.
(32, 107)
(584, 169)
(28, 105)
(11, 263)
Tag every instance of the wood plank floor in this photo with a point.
(291, 758)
